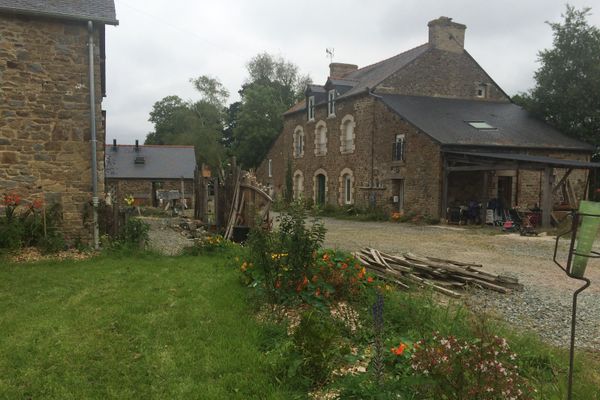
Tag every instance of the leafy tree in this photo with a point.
(567, 90)
(273, 86)
(198, 123)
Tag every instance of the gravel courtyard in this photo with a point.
(545, 304)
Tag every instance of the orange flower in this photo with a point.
(370, 279)
(398, 350)
(305, 281)
(344, 265)
(318, 292)
(325, 256)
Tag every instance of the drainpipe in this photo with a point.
(93, 134)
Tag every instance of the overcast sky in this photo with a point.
(159, 44)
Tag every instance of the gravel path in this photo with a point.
(544, 306)
(163, 238)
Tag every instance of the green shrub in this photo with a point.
(133, 235)
(317, 341)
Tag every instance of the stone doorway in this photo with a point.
(505, 184)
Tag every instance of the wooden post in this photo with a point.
(547, 202)
(484, 196)
(445, 174)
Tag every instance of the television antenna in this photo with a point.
(330, 51)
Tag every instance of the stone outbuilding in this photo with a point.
(48, 108)
(420, 132)
(150, 173)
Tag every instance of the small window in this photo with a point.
(398, 154)
(298, 143)
(347, 189)
(481, 125)
(270, 168)
(481, 91)
(331, 103)
(347, 136)
(311, 108)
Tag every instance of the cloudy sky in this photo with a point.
(159, 44)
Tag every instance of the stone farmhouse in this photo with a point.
(52, 81)
(150, 173)
(420, 132)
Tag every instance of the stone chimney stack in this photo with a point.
(339, 70)
(447, 35)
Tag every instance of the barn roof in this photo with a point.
(479, 123)
(95, 10)
(149, 162)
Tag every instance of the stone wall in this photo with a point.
(441, 73)
(141, 189)
(370, 163)
(44, 116)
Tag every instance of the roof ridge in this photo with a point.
(389, 58)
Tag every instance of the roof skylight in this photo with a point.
(481, 125)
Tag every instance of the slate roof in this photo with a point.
(365, 78)
(160, 162)
(446, 121)
(95, 10)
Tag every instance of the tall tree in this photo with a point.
(199, 123)
(567, 90)
(273, 86)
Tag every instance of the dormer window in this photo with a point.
(331, 103)
(311, 108)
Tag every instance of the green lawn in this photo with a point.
(141, 328)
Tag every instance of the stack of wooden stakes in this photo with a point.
(441, 275)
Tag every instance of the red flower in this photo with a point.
(37, 204)
(398, 350)
(370, 279)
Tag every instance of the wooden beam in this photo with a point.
(547, 197)
(469, 168)
(562, 180)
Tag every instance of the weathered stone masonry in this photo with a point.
(44, 115)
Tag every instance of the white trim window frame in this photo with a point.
(331, 103)
(311, 108)
(298, 185)
(346, 187)
(298, 150)
(399, 148)
(347, 139)
(321, 139)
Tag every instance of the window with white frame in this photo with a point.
(321, 139)
(399, 147)
(347, 134)
(346, 187)
(270, 168)
(311, 108)
(298, 142)
(298, 185)
(331, 103)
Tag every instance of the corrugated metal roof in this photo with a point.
(95, 10)
(159, 162)
(550, 161)
(447, 121)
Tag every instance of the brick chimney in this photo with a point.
(339, 70)
(447, 35)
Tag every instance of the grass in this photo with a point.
(134, 327)
(415, 315)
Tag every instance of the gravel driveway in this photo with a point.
(545, 304)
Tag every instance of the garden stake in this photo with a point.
(568, 270)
